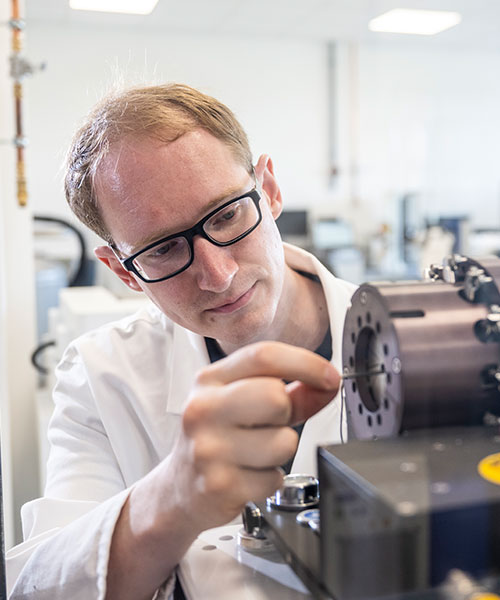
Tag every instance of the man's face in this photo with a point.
(148, 189)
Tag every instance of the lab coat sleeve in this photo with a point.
(68, 533)
(71, 561)
(82, 464)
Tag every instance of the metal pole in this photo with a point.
(17, 25)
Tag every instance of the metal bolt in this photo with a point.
(448, 274)
(475, 279)
(396, 365)
(363, 297)
(297, 491)
(434, 272)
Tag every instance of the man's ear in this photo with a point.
(264, 171)
(107, 256)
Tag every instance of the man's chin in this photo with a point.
(240, 336)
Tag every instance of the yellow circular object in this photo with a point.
(485, 596)
(489, 469)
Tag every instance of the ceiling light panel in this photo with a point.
(132, 7)
(419, 22)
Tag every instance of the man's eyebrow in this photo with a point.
(233, 192)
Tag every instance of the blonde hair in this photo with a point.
(164, 112)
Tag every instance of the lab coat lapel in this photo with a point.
(319, 429)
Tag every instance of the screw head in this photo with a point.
(396, 365)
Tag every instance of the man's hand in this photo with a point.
(236, 431)
(236, 427)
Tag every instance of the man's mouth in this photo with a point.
(236, 303)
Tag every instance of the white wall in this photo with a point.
(276, 88)
(411, 117)
(429, 123)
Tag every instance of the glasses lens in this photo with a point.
(232, 221)
(164, 259)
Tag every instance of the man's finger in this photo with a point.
(253, 402)
(307, 401)
(273, 359)
(255, 448)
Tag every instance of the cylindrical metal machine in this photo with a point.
(424, 354)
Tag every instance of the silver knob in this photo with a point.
(297, 493)
(251, 536)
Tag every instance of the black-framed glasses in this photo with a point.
(171, 255)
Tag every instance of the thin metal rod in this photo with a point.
(363, 374)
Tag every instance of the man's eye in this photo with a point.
(164, 249)
(226, 215)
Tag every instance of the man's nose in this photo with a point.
(215, 266)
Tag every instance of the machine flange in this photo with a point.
(423, 350)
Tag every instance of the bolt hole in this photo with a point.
(368, 317)
(386, 349)
(370, 421)
(378, 329)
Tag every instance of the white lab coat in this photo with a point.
(120, 394)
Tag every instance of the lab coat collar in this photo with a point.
(317, 429)
(300, 260)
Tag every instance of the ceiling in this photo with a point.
(299, 19)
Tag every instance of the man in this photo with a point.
(152, 441)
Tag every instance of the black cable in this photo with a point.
(78, 275)
(36, 353)
(76, 279)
